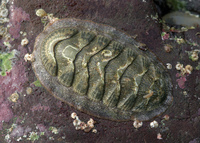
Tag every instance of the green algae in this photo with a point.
(176, 4)
(6, 62)
(33, 136)
(37, 83)
(198, 66)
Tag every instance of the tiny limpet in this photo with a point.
(101, 71)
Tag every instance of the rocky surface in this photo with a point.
(165, 6)
(38, 116)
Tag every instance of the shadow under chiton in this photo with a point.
(101, 71)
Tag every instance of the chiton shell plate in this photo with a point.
(101, 71)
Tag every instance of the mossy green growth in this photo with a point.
(176, 4)
(5, 62)
(33, 136)
(37, 83)
(198, 66)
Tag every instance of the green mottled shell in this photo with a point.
(101, 71)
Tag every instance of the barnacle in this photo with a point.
(3, 13)
(29, 57)
(14, 97)
(137, 124)
(188, 69)
(154, 124)
(41, 13)
(24, 42)
(168, 48)
(29, 90)
(73, 115)
(169, 66)
(179, 66)
(80, 125)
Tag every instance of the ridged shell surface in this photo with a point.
(101, 71)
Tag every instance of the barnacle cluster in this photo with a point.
(80, 125)
(4, 19)
(187, 70)
(3, 12)
(45, 17)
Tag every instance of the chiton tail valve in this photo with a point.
(100, 70)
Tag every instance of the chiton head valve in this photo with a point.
(100, 70)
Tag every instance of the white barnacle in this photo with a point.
(90, 123)
(169, 66)
(4, 13)
(4, 1)
(154, 124)
(188, 69)
(179, 66)
(183, 71)
(73, 115)
(194, 57)
(29, 57)
(29, 90)
(137, 124)
(14, 97)
(24, 42)
(94, 131)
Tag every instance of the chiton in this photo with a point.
(101, 71)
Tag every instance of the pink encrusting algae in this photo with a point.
(17, 16)
(11, 83)
(39, 107)
(5, 113)
(14, 80)
(17, 131)
(181, 81)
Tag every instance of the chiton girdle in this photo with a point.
(101, 71)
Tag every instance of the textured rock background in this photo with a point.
(39, 111)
